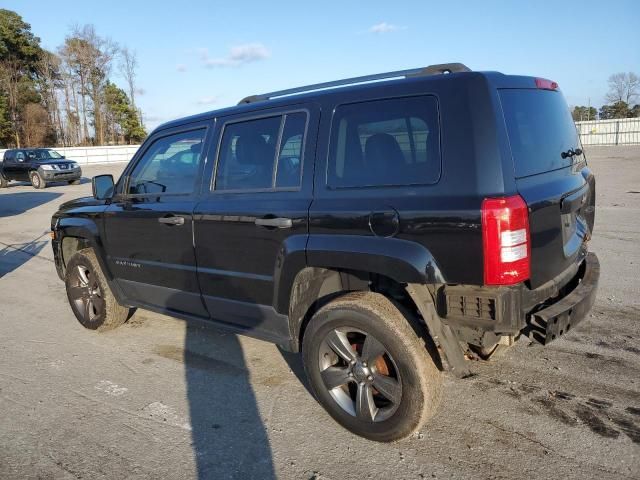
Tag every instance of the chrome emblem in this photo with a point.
(126, 263)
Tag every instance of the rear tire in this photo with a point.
(369, 368)
(4, 183)
(37, 181)
(90, 297)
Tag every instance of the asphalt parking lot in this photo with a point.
(161, 398)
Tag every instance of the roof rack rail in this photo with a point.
(439, 69)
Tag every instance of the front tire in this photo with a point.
(37, 181)
(90, 297)
(369, 368)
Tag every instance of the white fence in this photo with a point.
(623, 131)
(90, 155)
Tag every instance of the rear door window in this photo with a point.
(385, 143)
(262, 154)
(540, 128)
(291, 148)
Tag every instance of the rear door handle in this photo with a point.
(279, 222)
(172, 220)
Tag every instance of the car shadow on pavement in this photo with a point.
(15, 255)
(228, 434)
(294, 362)
(19, 202)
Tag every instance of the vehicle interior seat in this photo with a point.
(253, 151)
(384, 158)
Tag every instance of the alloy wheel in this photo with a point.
(360, 374)
(86, 294)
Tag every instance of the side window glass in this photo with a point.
(385, 143)
(20, 157)
(289, 172)
(247, 154)
(170, 165)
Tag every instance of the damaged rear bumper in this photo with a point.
(481, 315)
(549, 323)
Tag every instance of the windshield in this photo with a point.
(540, 129)
(43, 155)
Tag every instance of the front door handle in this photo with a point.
(172, 220)
(279, 222)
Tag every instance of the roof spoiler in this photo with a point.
(440, 69)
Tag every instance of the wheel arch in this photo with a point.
(69, 245)
(401, 260)
(77, 233)
(314, 287)
(312, 270)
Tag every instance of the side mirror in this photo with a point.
(102, 186)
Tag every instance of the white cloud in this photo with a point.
(384, 27)
(203, 52)
(238, 55)
(181, 67)
(207, 100)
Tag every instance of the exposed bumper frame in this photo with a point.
(543, 314)
(558, 318)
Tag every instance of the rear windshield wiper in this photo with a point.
(571, 153)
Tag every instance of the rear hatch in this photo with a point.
(551, 176)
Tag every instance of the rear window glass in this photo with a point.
(540, 128)
(385, 142)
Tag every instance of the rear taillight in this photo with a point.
(505, 239)
(545, 84)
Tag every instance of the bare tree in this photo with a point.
(128, 66)
(102, 52)
(35, 125)
(74, 55)
(72, 119)
(89, 56)
(72, 89)
(10, 75)
(623, 87)
(49, 81)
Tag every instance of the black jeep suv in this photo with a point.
(38, 166)
(384, 229)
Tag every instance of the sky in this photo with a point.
(196, 56)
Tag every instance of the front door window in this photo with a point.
(169, 166)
